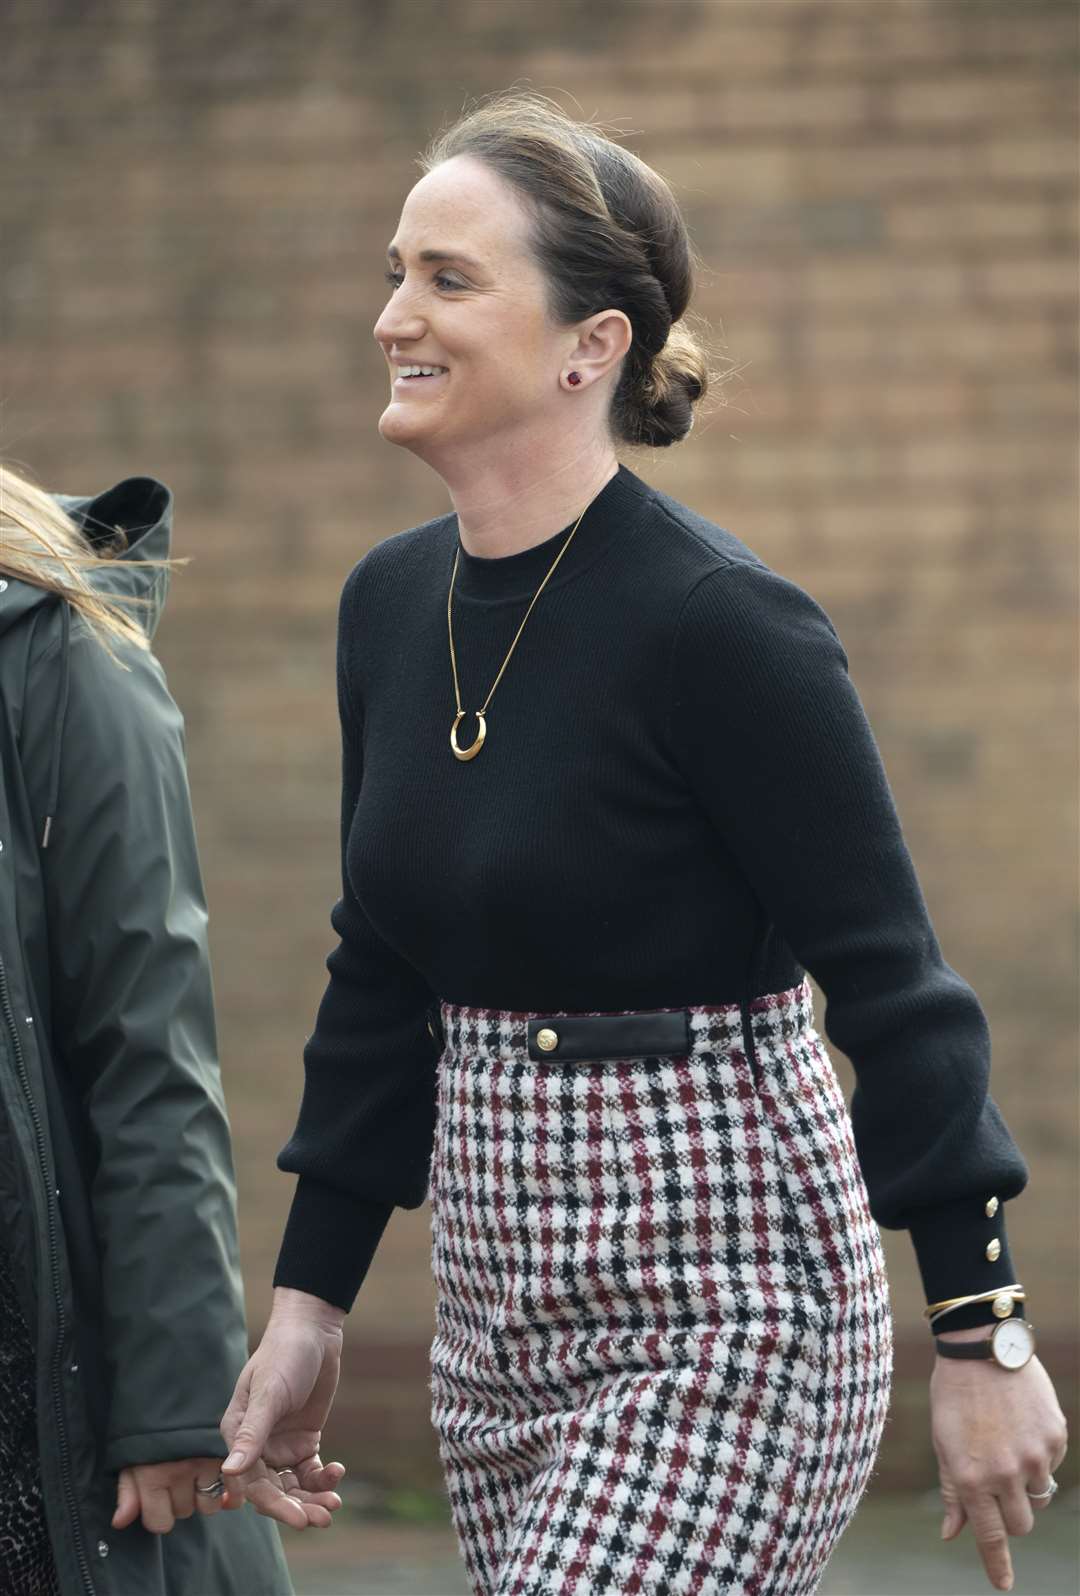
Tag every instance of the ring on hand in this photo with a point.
(1044, 1496)
(281, 1473)
(216, 1489)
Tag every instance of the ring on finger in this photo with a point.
(215, 1489)
(281, 1473)
(1044, 1496)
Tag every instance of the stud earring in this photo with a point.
(573, 378)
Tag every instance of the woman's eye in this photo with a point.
(395, 279)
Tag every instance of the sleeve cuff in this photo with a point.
(168, 1446)
(330, 1239)
(951, 1244)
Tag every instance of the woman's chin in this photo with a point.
(398, 425)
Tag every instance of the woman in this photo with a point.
(574, 929)
(121, 1311)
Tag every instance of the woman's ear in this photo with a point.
(601, 343)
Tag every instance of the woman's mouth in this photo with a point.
(418, 374)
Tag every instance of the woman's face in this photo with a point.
(468, 298)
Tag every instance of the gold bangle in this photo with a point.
(1003, 1305)
(1016, 1291)
(952, 1302)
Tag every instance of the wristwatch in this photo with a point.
(1010, 1344)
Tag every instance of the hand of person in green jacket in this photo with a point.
(163, 1492)
(273, 1425)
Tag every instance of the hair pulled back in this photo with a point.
(609, 235)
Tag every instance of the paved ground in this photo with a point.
(891, 1549)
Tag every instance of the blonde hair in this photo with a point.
(41, 544)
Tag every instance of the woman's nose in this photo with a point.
(397, 322)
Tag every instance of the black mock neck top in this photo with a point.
(679, 801)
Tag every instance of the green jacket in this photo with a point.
(117, 1193)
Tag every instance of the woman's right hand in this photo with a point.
(273, 1425)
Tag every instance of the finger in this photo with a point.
(207, 1506)
(267, 1403)
(209, 1472)
(233, 1416)
(1039, 1485)
(157, 1512)
(268, 1498)
(988, 1527)
(291, 1485)
(314, 1475)
(127, 1500)
(323, 1479)
(183, 1498)
(954, 1521)
(1016, 1509)
(330, 1500)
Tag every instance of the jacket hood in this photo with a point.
(143, 507)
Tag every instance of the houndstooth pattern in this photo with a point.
(663, 1347)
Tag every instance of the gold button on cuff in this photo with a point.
(1003, 1306)
(991, 1208)
(547, 1039)
(993, 1250)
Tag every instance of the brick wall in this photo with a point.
(193, 209)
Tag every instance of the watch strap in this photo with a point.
(964, 1349)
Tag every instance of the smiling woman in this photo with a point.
(570, 995)
(502, 252)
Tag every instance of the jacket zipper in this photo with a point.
(57, 1391)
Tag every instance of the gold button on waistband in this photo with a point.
(991, 1208)
(993, 1251)
(547, 1039)
(1003, 1306)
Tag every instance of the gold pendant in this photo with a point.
(474, 748)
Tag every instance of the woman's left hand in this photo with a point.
(998, 1433)
(163, 1492)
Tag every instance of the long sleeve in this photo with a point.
(133, 1030)
(363, 1140)
(768, 730)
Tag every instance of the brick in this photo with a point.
(909, 281)
(1053, 156)
(1022, 97)
(979, 221)
(1035, 278)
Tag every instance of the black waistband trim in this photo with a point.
(595, 1036)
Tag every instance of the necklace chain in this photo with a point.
(472, 751)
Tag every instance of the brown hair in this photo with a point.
(41, 544)
(609, 234)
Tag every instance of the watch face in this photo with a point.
(1013, 1343)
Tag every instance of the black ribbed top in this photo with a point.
(679, 801)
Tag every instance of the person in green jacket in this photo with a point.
(121, 1311)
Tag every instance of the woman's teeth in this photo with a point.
(421, 371)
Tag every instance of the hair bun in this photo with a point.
(663, 408)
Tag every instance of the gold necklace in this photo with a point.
(474, 748)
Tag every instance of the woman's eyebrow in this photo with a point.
(393, 253)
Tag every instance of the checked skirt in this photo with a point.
(663, 1344)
